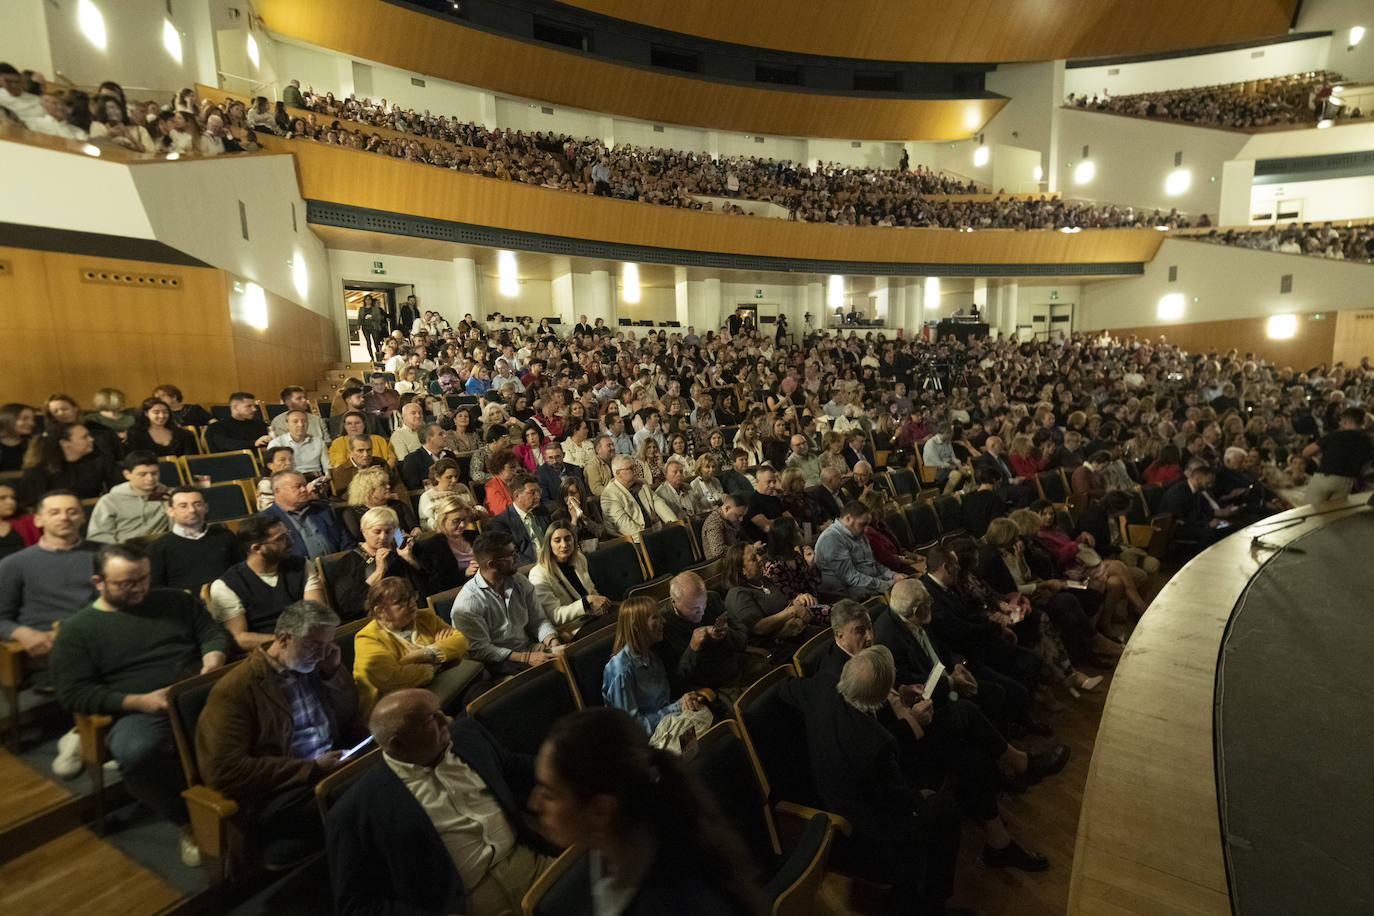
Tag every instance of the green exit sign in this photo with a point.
(377, 267)
(758, 294)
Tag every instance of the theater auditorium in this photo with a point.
(514, 457)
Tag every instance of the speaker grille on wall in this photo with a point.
(1173, 273)
(758, 139)
(1286, 283)
(658, 128)
(416, 81)
(546, 109)
(1085, 151)
(1178, 158)
(124, 278)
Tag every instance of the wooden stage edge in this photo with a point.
(1149, 833)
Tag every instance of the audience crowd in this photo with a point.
(1296, 98)
(1337, 243)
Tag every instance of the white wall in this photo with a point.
(24, 38)
(62, 199)
(1028, 121)
(1134, 156)
(770, 148)
(1228, 283)
(1330, 199)
(1338, 16)
(525, 115)
(1343, 138)
(1201, 69)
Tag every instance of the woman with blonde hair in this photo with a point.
(404, 645)
(649, 464)
(379, 554)
(444, 482)
(447, 558)
(110, 411)
(370, 488)
(832, 455)
(564, 588)
(636, 680)
(747, 438)
(706, 486)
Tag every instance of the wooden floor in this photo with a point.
(26, 791)
(80, 873)
(1044, 819)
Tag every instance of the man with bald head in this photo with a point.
(802, 459)
(1015, 491)
(701, 646)
(437, 826)
(860, 481)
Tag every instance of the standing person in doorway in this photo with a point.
(372, 322)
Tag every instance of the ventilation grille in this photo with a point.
(546, 109)
(758, 139)
(658, 128)
(324, 213)
(1360, 162)
(1113, 71)
(1255, 55)
(1173, 273)
(856, 144)
(1286, 283)
(1178, 158)
(121, 278)
(416, 81)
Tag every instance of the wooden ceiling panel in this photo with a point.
(973, 30)
(425, 44)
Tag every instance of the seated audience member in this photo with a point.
(383, 551)
(136, 508)
(108, 410)
(403, 645)
(764, 612)
(860, 479)
(293, 397)
(984, 503)
(274, 461)
(598, 469)
(1345, 453)
(565, 591)
(344, 422)
(524, 520)
(496, 442)
(354, 425)
(415, 466)
(406, 437)
(184, 414)
(68, 460)
(1015, 490)
(245, 428)
(192, 554)
(702, 646)
(1101, 521)
(359, 457)
(577, 506)
(636, 680)
(764, 505)
(47, 583)
(722, 527)
(551, 474)
(498, 612)
(887, 549)
(250, 596)
(277, 724)
(371, 489)
(856, 450)
(827, 497)
(938, 453)
(17, 528)
(157, 431)
(443, 481)
(439, 825)
(1087, 480)
(800, 457)
(631, 507)
(707, 489)
(1201, 521)
(845, 558)
(117, 657)
(790, 565)
(312, 452)
(313, 529)
(496, 495)
(736, 478)
(902, 836)
(17, 424)
(644, 816)
(447, 557)
(675, 492)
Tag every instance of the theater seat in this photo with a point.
(615, 569)
(222, 467)
(521, 711)
(584, 661)
(215, 820)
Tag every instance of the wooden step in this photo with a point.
(80, 873)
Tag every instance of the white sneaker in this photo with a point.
(190, 852)
(68, 763)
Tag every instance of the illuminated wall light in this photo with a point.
(629, 283)
(255, 306)
(1356, 34)
(1282, 327)
(507, 274)
(91, 23)
(1170, 307)
(1324, 123)
(252, 49)
(932, 292)
(834, 295)
(171, 40)
(1178, 181)
(90, 149)
(300, 276)
(1039, 173)
(1084, 172)
(981, 156)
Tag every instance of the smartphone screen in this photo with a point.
(357, 747)
(400, 537)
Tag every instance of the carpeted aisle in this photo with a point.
(1294, 722)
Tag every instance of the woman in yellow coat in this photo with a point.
(403, 645)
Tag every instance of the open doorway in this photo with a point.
(387, 295)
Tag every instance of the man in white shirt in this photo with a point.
(406, 438)
(295, 398)
(441, 781)
(498, 612)
(24, 105)
(53, 121)
(311, 452)
(674, 490)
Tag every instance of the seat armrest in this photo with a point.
(804, 813)
(12, 658)
(93, 730)
(209, 811)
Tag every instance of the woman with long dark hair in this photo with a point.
(156, 430)
(655, 838)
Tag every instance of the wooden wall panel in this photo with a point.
(63, 334)
(974, 30)
(377, 182)
(1313, 344)
(1354, 337)
(410, 40)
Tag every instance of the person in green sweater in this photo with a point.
(117, 657)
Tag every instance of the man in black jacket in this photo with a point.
(701, 647)
(244, 429)
(438, 825)
(1201, 523)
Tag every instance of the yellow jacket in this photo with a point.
(338, 451)
(377, 667)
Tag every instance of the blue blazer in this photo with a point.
(550, 480)
(508, 521)
(333, 532)
(385, 855)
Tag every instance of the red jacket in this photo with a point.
(886, 550)
(1026, 466)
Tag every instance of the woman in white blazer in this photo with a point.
(563, 587)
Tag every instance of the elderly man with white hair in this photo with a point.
(628, 506)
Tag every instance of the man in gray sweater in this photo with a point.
(136, 508)
(50, 581)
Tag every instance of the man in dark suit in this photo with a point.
(827, 495)
(582, 327)
(551, 473)
(524, 519)
(438, 825)
(1197, 516)
(1014, 490)
(984, 504)
(415, 466)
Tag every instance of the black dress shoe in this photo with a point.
(1046, 763)
(1013, 856)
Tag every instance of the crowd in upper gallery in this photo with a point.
(1336, 243)
(1296, 98)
